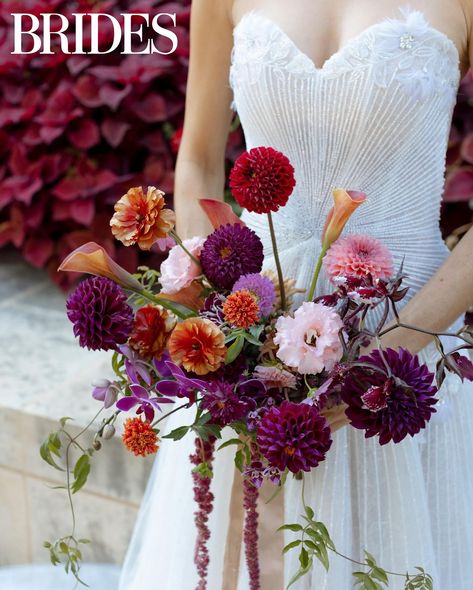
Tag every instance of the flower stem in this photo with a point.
(180, 243)
(179, 310)
(315, 277)
(277, 262)
(156, 422)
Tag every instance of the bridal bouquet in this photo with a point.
(248, 350)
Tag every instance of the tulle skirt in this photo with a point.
(409, 504)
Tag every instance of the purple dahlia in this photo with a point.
(261, 287)
(230, 252)
(100, 313)
(224, 403)
(293, 435)
(391, 396)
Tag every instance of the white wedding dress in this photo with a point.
(376, 118)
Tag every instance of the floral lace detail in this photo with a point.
(421, 59)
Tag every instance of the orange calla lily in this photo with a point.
(219, 213)
(345, 203)
(94, 259)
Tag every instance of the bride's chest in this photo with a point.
(399, 56)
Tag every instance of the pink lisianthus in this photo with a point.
(275, 377)
(309, 341)
(357, 256)
(179, 270)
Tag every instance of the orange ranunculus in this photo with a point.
(141, 218)
(198, 345)
(345, 203)
(93, 259)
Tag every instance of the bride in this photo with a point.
(358, 94)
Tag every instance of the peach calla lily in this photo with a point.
(219, 213)
(345, 203)
(94, 259)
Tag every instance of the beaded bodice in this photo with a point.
(375, 117)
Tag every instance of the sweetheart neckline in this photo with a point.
(257, 13)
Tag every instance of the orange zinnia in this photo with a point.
(141, 218)
(139, 437)
(241, 309)
(198, 345)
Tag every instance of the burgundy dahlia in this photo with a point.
(224, 403)
(100, 313)
(262, 179)
(230, 252)
(391, 398)
(295, 436)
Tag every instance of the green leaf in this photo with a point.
(54, 444)
(207, 430)
(309, 512)
(322, 556)
(234, 350)
(251, 339)
(65, 419)
(379, 574)
(232, 441)
(177, 433)
(81, 473)
(303, 557)
(239, 460)
(46, 456)
(291, 527)
(301, 572)
(291, 545)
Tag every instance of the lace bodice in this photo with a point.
(375, 117)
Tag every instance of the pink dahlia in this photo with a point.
(179, 270)
(275, 377)
(309, 341)
(262, 179)
(357, 256)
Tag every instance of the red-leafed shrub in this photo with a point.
(457, 213)
(76, 131)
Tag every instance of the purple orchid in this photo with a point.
(140, 397)
(181, 385)
(105, 391)
(135, 366)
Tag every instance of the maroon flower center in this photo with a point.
(311, 337)
(289, 450)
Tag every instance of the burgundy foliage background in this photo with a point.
(77, 131)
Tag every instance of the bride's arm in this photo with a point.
(200, 161)
(449, 292)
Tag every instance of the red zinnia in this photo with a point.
(151, 329)
(241, 309)
(262, 179)
(139, 437)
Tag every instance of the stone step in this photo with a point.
(45, 375)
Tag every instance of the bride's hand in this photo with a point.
(336, 417)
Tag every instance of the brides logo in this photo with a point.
(40, 32)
